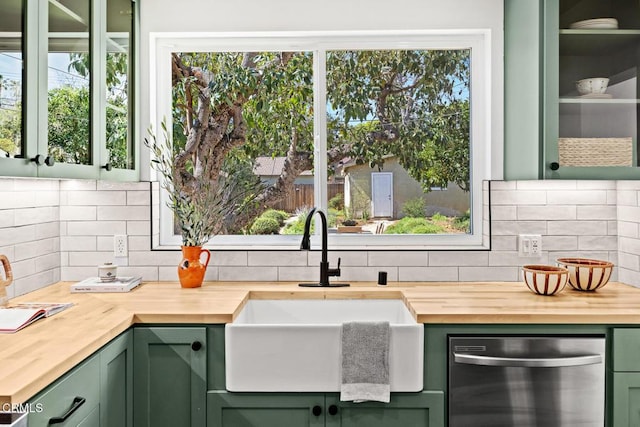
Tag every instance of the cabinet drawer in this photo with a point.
(83, 382)
(626, 347)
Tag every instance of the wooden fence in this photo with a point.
(302, 196)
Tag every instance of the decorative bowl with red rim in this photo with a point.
(545, 279)
(586, 274)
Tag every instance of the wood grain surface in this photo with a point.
(36, 356)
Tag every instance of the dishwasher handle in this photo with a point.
(525, 362)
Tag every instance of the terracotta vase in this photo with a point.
(191, 270)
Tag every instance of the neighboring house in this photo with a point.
(270, 168)
(383, 193)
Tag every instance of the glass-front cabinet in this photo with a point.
(591, 94)
(66, 88)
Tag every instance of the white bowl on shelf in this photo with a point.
(592, 85)
(597, 23)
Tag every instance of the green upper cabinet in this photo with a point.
(67, 89)
(591, 94)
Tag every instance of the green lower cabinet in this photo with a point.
(91, 420)
(626, 399)
(71, 401)
(425, 409)
(170, 366)
(116, 382)
(226, 409)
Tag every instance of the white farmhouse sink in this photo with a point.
(295, 345)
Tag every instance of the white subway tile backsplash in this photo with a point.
(7, 218)
(630, 277)
(398, 258)
(96, 228)
(35, 215)
(347, 258)
(36, 248)
(301, 274)
(367, 274)
(79, 243)
(510, 228)
(78, 213)
(560, 243)
(547, 185)
(458, 258)
(170, 274)
(277, 258)
(90, 258)
(504, 243)
(593, 197)
(488, 274)
(564, 228)
(427, 274)
(96, 198)
(165, 258)
(528, 197)
(596, 212)
(229, 258)
(627, 198)
(504, 213)
(236, 274)
(142, 198)
(597, 243)
(148, 274)
(550, 213)
(78, 185)
(628, 229)
(78, 218)
(138, 228)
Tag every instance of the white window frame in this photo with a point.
(477, 40)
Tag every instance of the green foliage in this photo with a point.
(337, 202)
(265, 225)
(463, 222)
(414, 208)
(68, 131)
(438, 217)
(410, 225)
(279, 216)
(297, 226)
(200, 207)
(411, 104)
(7, 145)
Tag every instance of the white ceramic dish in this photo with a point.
(592, 85)
(598, 23)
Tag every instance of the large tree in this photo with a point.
(410, 104)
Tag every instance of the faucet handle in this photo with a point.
(338, 263)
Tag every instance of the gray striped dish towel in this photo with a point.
(365, 362)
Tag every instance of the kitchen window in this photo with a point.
(361, 124)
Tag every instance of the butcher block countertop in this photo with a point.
(36, 356)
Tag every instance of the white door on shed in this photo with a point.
(382, 194)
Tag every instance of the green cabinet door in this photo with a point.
(170, 367)
(116, 382)
(626, 399)
(91, 420)
(225, 409)
(425, 409)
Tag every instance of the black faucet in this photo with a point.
(325, 271)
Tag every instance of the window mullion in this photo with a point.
(320, 129)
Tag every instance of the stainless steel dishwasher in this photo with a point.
(497, 381)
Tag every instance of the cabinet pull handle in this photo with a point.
(534, 362)
(107, 167)
(316, 410)
(554, 166)
(77, 403)
(333, 409)
(196, 345)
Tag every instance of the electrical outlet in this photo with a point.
(120, 245)
(529, 245)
